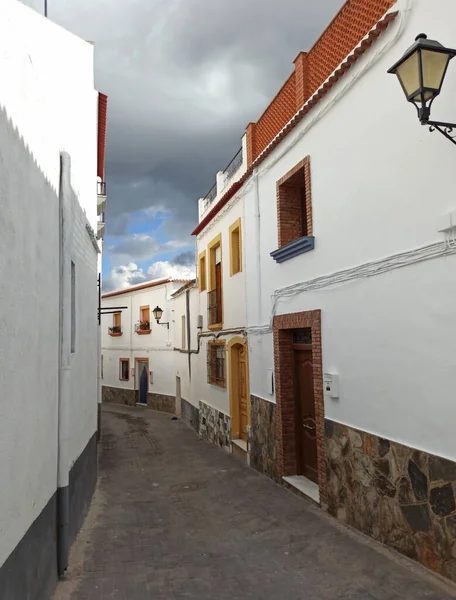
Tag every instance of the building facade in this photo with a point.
(350, 286)
(48, 273)
(221, 391)
(138, 352)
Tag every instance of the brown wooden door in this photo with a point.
(306, 432)
(243, 406)
(218, 287)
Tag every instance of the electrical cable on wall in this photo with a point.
(347, 276)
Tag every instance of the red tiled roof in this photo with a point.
(144, 286)
(299, 115)
(102, 119)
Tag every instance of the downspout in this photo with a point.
(99, 387)
(187, 320)
(63, 505)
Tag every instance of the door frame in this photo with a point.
(283, 327)
(136, 382)
(233, 378)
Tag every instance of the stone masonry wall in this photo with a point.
(400, 496)
(161, 402)
(190, 414)
(262, 442)
(118, 396)
(215, 426)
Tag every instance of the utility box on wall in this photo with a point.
(331, 385)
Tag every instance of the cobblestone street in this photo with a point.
(175, 517)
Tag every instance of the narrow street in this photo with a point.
(175, 517)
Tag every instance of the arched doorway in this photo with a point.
(239, 389)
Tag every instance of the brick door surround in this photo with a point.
(283, 327)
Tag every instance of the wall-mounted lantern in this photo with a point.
(421, 73)
(158, 313)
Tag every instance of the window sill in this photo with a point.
(215, 327)
(299, 246)
(143, 331)
(222, 386)
(115, 334)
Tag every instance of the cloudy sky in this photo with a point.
(184, 77)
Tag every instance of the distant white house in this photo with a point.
(137, 351)
(50, 118)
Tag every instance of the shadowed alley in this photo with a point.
(175, 517)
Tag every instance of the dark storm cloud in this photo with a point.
(185, 258)
(183, 78)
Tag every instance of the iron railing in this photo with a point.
(216, 364)
(210, 196)
(234, 165)
(101, 186)
(214, 307)
(142, 326)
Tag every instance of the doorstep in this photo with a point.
(239, 450)
(241, 444)
(304, 486)
(141, 404)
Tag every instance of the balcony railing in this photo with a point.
(234, 166)
(142, 327)
(210, 196)
(214, 307)
(101, 185)
(115, 331)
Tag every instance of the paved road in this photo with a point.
(175, 517)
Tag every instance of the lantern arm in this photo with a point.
(446, 129)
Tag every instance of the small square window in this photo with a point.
(216, 373)
(124, 369)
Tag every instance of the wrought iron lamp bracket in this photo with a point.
(446, 129)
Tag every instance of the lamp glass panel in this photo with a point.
(434, 67)
(409, 74)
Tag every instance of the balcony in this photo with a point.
(101, 228)
(101, 197)
(142, 327)
(214, 308)
(115, 331)
(233, 167)
(210, 196)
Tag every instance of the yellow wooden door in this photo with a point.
(243, 400)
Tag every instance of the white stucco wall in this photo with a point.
(234, 301)
(233, 287)
(45, 85)
(380, 182)
(181, 368)
(157, 346)
(47, 104)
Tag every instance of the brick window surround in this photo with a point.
(294, 212)
(284, 392)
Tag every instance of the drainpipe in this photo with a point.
(189, 340)
(99, 388)
(63, 512)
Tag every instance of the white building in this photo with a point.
(137, 351)
(351, 285)
(48, 291)
(221, 389)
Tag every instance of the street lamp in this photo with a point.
(421, 72)
(158, 313)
